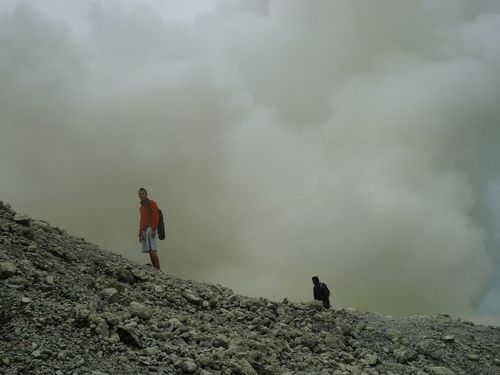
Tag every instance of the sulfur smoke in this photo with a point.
(353, 140)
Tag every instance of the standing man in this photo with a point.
(321, 292)
(147, 227)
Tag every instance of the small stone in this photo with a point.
(7, 269)
(159, 289)
(191, 297)
(310, 340)
(150, 351)
(62, 355)
(25, 300)
(110, 294)
(334, 342)
(189, 367)
(139, 275)
(449, 338)
(393, 333)
(347, 329)
(241, 366)
(404, 355)
(49, 280)
(22, 220)
(32, 248)
(129, 336)
(102, 328)
(440, 370)
(370, 359)
(139, 310)
(124, 275)
(220, 341)
(36, 353)
(205, 361)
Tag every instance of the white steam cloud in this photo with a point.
(283, 139)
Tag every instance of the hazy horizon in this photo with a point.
(282, 139)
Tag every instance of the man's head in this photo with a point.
(315, 280)
(143, 194)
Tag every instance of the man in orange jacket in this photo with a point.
(147, 227)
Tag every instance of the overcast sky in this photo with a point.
(353, 140)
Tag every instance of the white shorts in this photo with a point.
(149, 242)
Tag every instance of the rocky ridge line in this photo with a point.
(69, 307)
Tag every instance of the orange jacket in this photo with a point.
(149, 215)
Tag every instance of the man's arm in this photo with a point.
(316, 294)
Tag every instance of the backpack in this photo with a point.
(160, 229)
(161, 226)
(326, 291)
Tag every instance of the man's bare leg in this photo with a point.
(155, 261)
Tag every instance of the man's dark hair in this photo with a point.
(315, 279)
(143, 190)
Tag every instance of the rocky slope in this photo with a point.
(68, 307)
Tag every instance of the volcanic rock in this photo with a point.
(68, 307)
